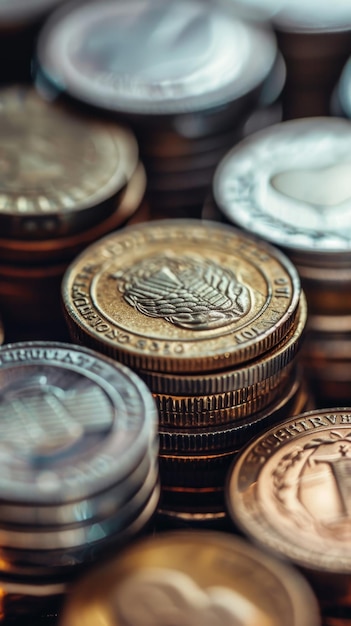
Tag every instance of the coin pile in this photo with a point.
(79, 470)
(300, 200)
(185, 75)
(315, 40)
(72, 180)
(196, 577)
(212, 320)
(289, 492)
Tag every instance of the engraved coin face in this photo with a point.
(71, 422)
(180, 295)
(192, 577)
(189, 56)
(291, 185)
(290, 490)
(56, 170)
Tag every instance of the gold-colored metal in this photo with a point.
(197, 577)
(181, 296)
(59, 171)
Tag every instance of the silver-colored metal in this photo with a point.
(191, 55)
(72, 422)
(291, 185)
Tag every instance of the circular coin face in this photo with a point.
(72, 422)
(289, 490)
(189, 56)
(192, 577)
(180, 295)
(58, 173)
(291, 185)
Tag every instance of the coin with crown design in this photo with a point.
(180, 295)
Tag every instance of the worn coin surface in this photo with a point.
(291, 185)
(203, 56)
(72, 422)
(58, 172)
(192, 577)
(180, 295)
(289, 490)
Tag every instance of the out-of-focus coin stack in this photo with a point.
(65, 181)
(79, 470)
(300, 199)
(185, 75)
(315, 40)
(289, 492)
(212, 320)
(192, 577)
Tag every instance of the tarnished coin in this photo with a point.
(290, 184)
(59, 173)
(273, 366)
(197, 577)
(203, 55)
(72, 422)
(180, 296)
(43, 251)
(289, 490)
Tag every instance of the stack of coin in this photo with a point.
(315, 39)
(185, 75)
(79, 471)
(299, 199)
(65, 181)
(289, 491)
(212, 320)
(192, 577)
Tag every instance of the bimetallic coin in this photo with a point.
(203, 55)
(202, 577)
(300, 197)
(181, 296)
(72, 422)
(289, 490)
(68, 169)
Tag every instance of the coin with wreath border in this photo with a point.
(180, 295)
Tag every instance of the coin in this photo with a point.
(66, 174)
(274, 365)
(73, 422)
(180, 295)
(203, 576)
(203, 57)
(289, 492)
(299, 198)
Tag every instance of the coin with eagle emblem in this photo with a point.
(180, 296)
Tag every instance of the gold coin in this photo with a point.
(67, 247)
(289, 491)
(191, 577)
(180, 296)
(59, 172)
(276, 363)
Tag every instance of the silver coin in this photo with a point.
(153, 56)
(81, 511)
(72, 422)
(291, 185)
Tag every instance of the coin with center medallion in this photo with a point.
(180, 295)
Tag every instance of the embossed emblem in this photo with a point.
(191, 293)
(313, 485)
(166, 597)
(39, 419)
